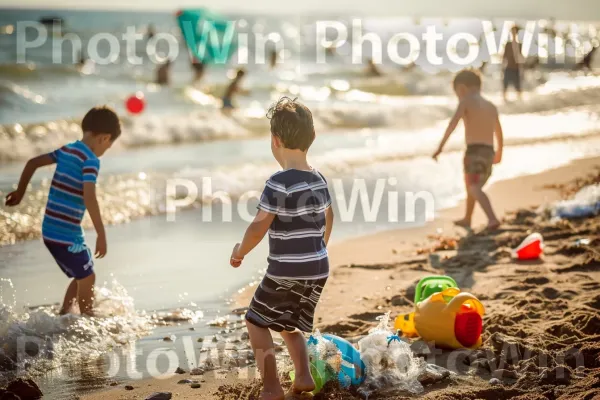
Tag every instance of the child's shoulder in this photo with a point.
(76, 150)
(475, 103)
(292, 175)
(290, 178)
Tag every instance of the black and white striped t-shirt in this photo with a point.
(296, 237)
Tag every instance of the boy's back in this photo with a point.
(295, 210)
(75, 164)
(299, 200)
(480, 117)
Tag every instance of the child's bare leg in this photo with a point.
(70, 298)
(296, 344)
(264, 353)
(470, 207)
(85, 294)
(477, 192)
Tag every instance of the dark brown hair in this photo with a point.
(468, 77)
(102, 119)
(292, 122)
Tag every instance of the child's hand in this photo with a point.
(101, 247)
(436, 154)
(498, 157)
(14, 198)
(236, 259)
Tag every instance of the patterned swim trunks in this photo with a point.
(478, 162)
(285, 304)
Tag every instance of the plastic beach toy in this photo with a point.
(352, 365)
(451, 319)
(531, 248)
(433, 284)
(406, 324)
(135, 104)
(320, 374)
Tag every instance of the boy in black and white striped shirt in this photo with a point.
(295, 209)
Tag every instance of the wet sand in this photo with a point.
(541, 327)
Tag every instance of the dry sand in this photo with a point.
(541, 328)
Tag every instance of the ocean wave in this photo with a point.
(350, 110)
(52, 339)
(20, 142)
(37, 339)
(125, 197)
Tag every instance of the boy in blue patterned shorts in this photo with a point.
(73, 190)
(295, 209)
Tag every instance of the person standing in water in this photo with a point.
(163, 73)
(372, 69)
(586, 63)
(150, 32)
(273, 59)
(512, 62)
(232, 89)
(72, 192)
(198, 67)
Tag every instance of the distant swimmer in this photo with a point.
(330, 50)
(586, 63)
(273, 59)
(150, 32)
(482, 67)
(163, 73)
(232, 89)
(83, 64)
(512, 62)
(198, 67)
(372, 69)
(82, 59)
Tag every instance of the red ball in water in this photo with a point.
(136, 103)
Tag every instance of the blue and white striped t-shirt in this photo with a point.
(75, 164)
(296, 237)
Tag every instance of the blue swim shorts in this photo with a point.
(74, 265)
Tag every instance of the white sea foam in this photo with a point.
(356, 108)
(38, 339)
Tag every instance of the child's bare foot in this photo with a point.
(303, 384)
(493, 225)
(274, 393)
(463, 223)
(64, 311)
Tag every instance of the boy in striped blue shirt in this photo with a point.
(295, 209)
(73, 190)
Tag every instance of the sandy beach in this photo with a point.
(541, 327)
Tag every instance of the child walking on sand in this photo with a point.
(482, 123)
(295, 208)
(73, 190)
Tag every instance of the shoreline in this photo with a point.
(373, 274)
(390, 242)
(531, 192)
